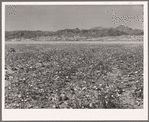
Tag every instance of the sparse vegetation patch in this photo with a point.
(74, 76)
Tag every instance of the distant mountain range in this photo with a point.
(98, 28)
(68, 34)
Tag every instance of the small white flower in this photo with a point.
(84, 81)
(17, 105)
(83, 88)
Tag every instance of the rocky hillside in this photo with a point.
(129, 31)
(76, 34)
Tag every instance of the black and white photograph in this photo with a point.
(75, 60)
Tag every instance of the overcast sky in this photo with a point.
(55, 17)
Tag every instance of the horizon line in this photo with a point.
(75, 28)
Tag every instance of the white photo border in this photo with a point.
(78, 114)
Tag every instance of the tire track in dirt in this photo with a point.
(127, 98)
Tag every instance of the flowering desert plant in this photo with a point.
(78, 76)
